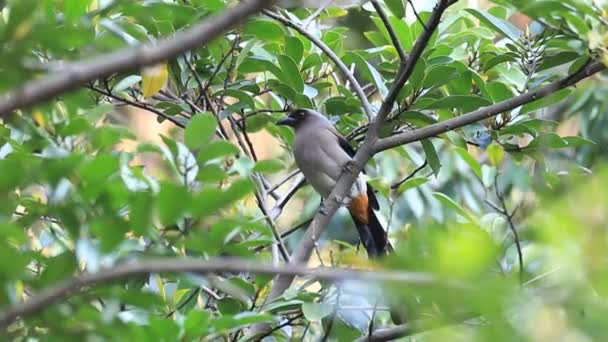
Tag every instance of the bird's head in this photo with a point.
(301, 116)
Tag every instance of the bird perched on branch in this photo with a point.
(322, 154)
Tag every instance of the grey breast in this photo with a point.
(319, 157)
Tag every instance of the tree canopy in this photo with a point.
(146, 192)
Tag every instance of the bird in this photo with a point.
(322, 154)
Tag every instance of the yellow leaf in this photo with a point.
(22, 29)
(39, 119)
(19, 289)
(94, 5)
(154, 78)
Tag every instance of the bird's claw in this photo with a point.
(348, 166)
(343, 201)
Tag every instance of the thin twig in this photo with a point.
(316, 13)
(82, 72)
(418, 16)
(140, 105)
(391, 31)
(410, 176)
(509, 216)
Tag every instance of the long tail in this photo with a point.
(372, 234)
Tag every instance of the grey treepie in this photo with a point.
(322, 154)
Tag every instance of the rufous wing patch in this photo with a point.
(359, 208)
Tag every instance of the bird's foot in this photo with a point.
(343, 201)
(348, 166)
(322, 210)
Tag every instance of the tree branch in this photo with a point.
(487, 112)
(406, 69)
(363, 155)
(334, 58)
(391, 31)
(70, 287)
(79, 73)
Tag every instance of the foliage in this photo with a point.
(73, 202)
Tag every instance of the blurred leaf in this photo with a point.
(499, 25)
(200, 129)
(315, 312)
(173, 201)
(196, 323)
(470, 160)
(264, 29)
(431, 155)
(210, 200)
(268, 166)
(154, 78)
(412, 183)
(397, 7)
(547, 101)
(444, 199)
(495, 154)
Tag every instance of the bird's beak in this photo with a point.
(287, 121)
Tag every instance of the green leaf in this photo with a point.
(431, 155)
(210, 200)
(470, 160)
(553, 140)
(444, 199)
(196, 323)
(439, 75)
(268, 166)
(403, 32)
(467, 103)
(211, 173)
(546, 101)
(58, 268)
(216, 149)
(229, 306)
(498, 59)
(560, 58)
(291, 72)
(74, 9)
(245, 100)
(294, 48)
(418, 74)
(368, 71)
(397, 7)
(99, 168)
(315, 312)
(200, 130)
(499, 25)
(240, 320)
(264, 29)
(411, 183)
(140, 215)
(173, 201)
(499, 91)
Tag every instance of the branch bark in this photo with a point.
(79, 73)
(70, 287)
(487, 112)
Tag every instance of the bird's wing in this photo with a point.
(371, 194)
